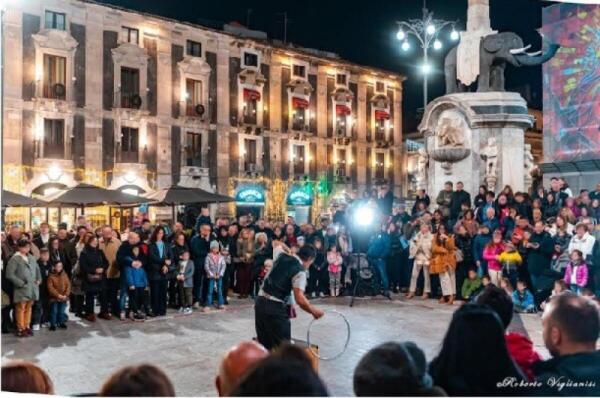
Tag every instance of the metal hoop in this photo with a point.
(345, 344)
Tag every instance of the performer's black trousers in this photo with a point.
(273, 325)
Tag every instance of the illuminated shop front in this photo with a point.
(299, 201)
(250, 199)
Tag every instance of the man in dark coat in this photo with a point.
(457, 199)
(571, 327)
(540, 249)
(68, 248)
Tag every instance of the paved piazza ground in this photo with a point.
(189, 348)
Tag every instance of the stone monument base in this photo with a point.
(476, 138)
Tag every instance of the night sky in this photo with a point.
(364, 32)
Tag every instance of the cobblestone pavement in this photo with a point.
(189, 348)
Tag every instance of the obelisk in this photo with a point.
(478, 26)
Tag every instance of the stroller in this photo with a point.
(365, 281)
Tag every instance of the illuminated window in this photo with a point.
(54, 77)
(380, 165)
(193, 89)
(340, 79)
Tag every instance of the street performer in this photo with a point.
(273, 304)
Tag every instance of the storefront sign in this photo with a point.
(250, 195)
(298, 196)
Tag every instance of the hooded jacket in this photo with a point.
(521, 350)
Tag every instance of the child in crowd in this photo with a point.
(137, 284)
(507, 286)
(471, 286)
(576, 274)
(334, 259)
(215, 269)
(491, 252)
(510, 261)
(41, 308)
(485, 281)
(318, 274)
(559, 287)
(523, 299)
(58, 287)
(185, 282)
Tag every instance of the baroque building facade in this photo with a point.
(99, 94)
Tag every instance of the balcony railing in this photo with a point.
(128, 100)
(54, 91)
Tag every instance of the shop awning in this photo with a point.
(381, 114)
(343, 109)
(251, 95)
(299, 195)
(298, 102)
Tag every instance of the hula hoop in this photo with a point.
(315, 353)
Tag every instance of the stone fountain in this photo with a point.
(479, 137)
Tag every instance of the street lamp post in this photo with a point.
(426, 30)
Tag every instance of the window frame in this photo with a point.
(190, 45)
(299, 159)
(301, 67)
(379, 168)
(345, 79)
(127, 97)
(190, 102)
(52, 149)
(252, 54)
(54, 22)
(126, 30)
(250, 153)
(49, 71)
(193, 152)
(127, 155)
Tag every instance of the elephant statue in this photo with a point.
(494, 52)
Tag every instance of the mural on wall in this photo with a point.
(572, 83)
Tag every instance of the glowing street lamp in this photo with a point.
(426, 31)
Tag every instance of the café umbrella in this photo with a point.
(11, 199)
(83, 195)
(177, 195)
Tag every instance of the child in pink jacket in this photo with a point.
(576, 274)
(491, 252)
(334, 259)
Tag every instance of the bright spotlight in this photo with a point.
(437, 45)
(454, 35)
(400, 35)
(430, 29)
(364, 216)
(405, 45)
(425, 68)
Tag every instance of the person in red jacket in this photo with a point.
(519, 346)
